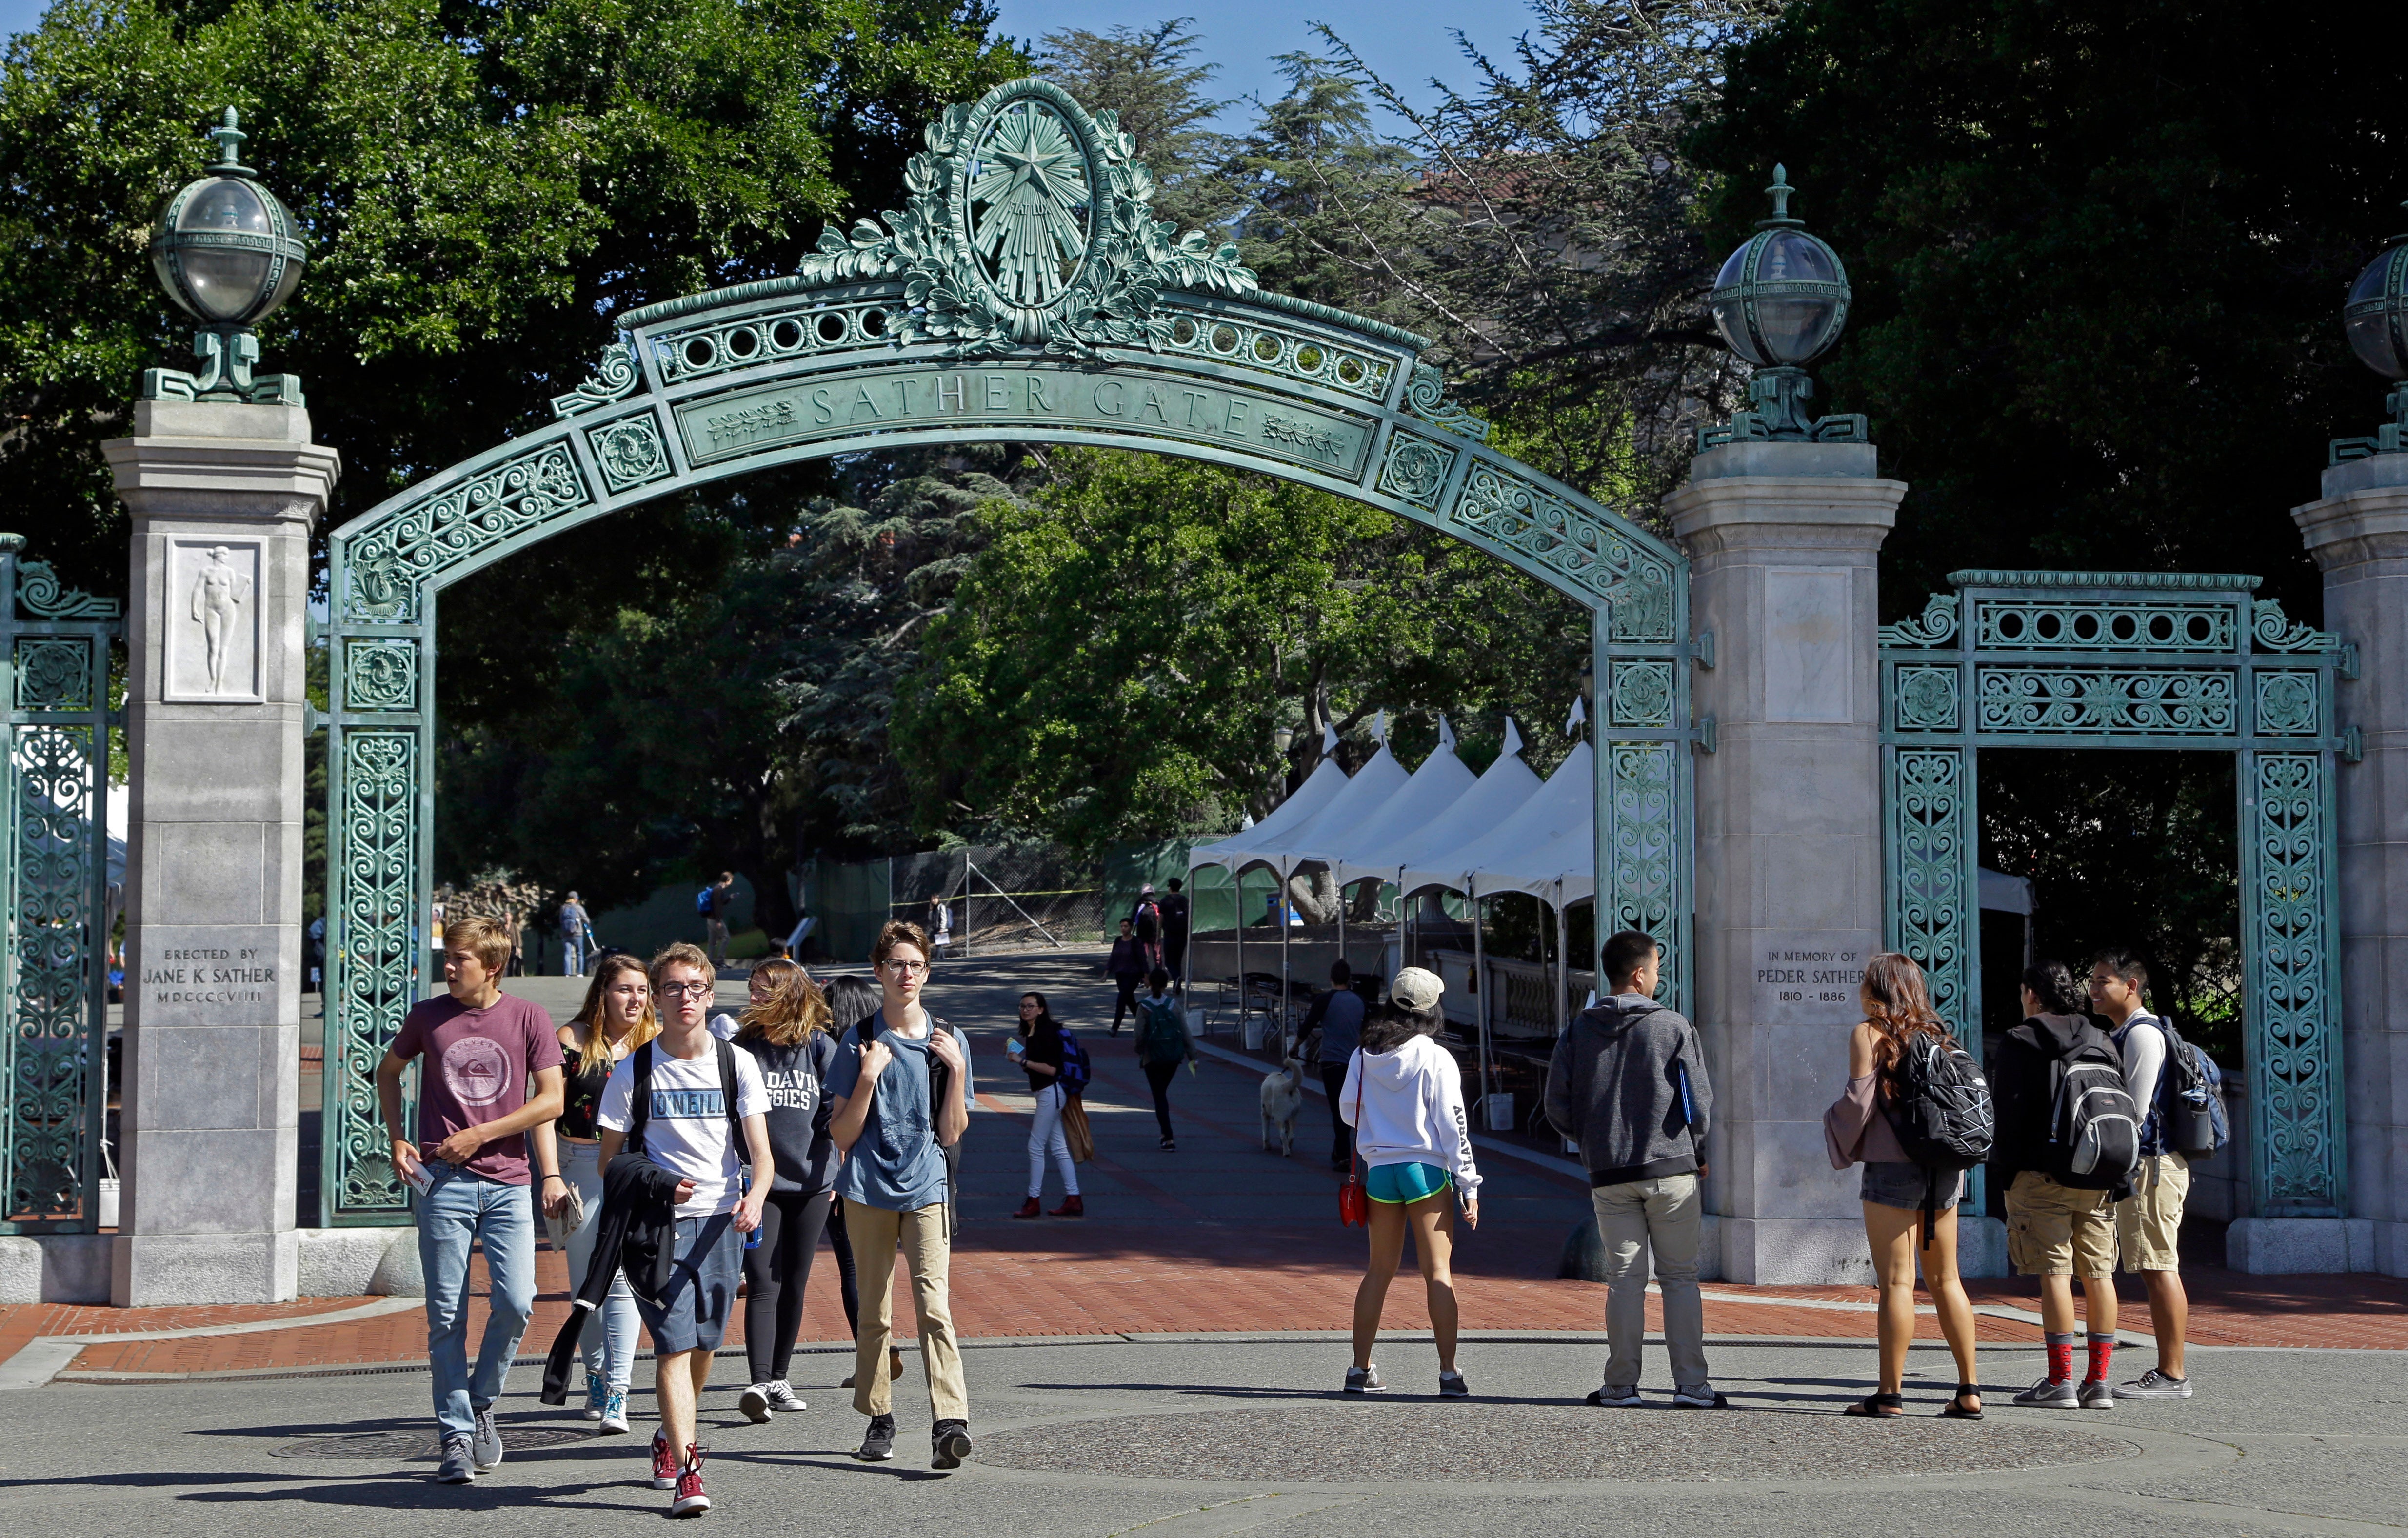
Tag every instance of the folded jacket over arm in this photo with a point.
(639, 1234)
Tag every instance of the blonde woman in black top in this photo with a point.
(616, 1019)
(786, 1029)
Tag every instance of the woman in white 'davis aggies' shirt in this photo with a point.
(1403, 1096)
(689, 1130)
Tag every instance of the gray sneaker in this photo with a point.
(1616, 1399)
(2098, 1394)
(459, 1465)
(1704, 1398)
(756, 1403)
(2050, 1394)
(488, 1442)
(1365, 1380)
(2153, 1383)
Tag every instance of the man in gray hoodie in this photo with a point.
(1628, 1082)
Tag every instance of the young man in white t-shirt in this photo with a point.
(688, 1134)
(2148, 1223)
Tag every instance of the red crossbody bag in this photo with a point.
(1354, 1198)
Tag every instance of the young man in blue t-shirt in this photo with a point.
(898, 1102)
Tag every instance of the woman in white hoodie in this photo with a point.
(1403, 1096)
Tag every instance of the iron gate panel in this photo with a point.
(54, 665)
(2149, 660)
(905, 335)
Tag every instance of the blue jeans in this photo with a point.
(607, 1344)
(458, 1209)
(574, 953)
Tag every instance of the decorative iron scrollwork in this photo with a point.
(616, 378)
(1426, 397)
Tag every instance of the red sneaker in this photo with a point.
(690, 1499)
(665, 1464)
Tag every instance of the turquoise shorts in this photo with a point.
(1398, 1184)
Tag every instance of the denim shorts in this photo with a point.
(1398, 1184)
(1892, 1183)
(702, 1288)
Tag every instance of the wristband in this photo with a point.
(556, 1175)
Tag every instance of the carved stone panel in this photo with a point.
(211, 627)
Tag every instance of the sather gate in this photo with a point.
(2180, 661)
(1025, 293)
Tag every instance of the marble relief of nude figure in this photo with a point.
(218, 593)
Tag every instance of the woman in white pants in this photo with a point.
(616, 1019)
(1042, 1057)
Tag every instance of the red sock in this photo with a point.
(2060, 1357)
(2102, 1352)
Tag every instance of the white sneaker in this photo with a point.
(756, 1403)
(1617, 1398)
(782, 1397)
(2153, 1383)
(614, 1414)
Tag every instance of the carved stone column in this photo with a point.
(2358, 532)
(1783, 537)
(223, 497)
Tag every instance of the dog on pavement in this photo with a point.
(1282, 1098)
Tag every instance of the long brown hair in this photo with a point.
(588, 1020)
(793, 1010)
(1898, 1007)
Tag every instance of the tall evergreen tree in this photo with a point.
(1150, 76)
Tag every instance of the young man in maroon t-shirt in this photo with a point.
(493, 1071)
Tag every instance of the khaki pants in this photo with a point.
(928, 1252)
(1664, 1216)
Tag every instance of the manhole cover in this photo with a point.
(404, 1446)
(1356, 1444)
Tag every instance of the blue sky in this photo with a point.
(1404, 39)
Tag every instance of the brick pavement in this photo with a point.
(1218, 1236)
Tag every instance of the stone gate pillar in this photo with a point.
(2358, 532)
(223, 497)
(1782, 540)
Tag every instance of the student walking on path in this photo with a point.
(852, 999)
(679, 1102)
(1339, 1014)
(2148, 1223)
(575, 938)
(902, 1101)
(786, 1029)
(1403, 1094)
(616, 1018)
(1628, 1082)
(718, 899)
(1857, 1130)
(1161, 1045)
(2061, 1220)
(1042, 1056)
(1127, 967)
(1174, 931)
(492, 1072)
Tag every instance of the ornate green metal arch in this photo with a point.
(1024, 295)
(2168, 660)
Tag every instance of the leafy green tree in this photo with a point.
(702, 725)
(2098, 253)
(1149, 78)
(1118, 656)
(481, 187)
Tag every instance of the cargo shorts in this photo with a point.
(2059, 1230)
(2148, 1223)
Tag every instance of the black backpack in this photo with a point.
(2092, 1119)
(1940, 1107)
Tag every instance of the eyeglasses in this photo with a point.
(685, 990)
(908, 969)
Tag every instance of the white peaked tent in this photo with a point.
(1495, 795)
(1242, 850)
(1542, 847)
(1418, 804)
(1316, 840)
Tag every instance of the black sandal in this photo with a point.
(1880, 1406)
(1955, 1409)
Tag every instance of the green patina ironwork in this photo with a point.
(2085, 659)
(1780, 302)
(1025, 293)
(54, 654)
